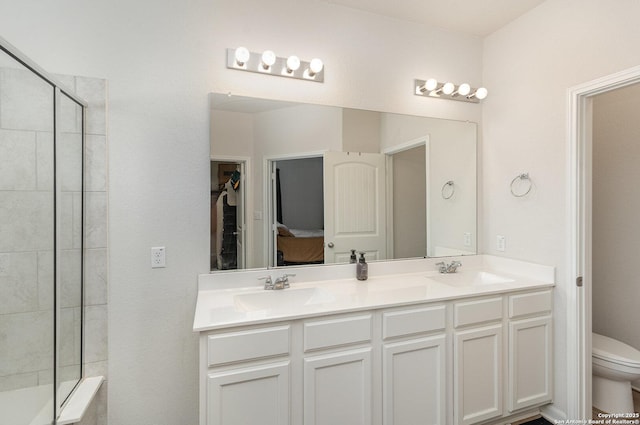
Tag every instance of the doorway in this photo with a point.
(580, 270)
(297, 211)
(348, 191)
(228, 247)
(407, 194)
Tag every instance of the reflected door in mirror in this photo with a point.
(355, 211)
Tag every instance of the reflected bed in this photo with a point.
(297, 247)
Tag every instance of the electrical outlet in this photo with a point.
(467, 239)
(158, 257)
(500, 243)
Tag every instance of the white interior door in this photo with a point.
(354, 205)
(273, 214)
(240, 218)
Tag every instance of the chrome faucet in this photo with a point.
(283, 281)
(268, 283)
(448, 268)
(280, 283)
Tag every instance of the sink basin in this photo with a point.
(285, 299)
(471, 278)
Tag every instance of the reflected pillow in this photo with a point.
(283, 231)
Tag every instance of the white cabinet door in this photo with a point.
(414, 382)
(249, 396)
(530, 364)
(477, 374)
(337, 388)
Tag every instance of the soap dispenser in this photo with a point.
(362, 271)
(353, 259)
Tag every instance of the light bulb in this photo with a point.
(315, 66)
(431, 84)
(268, 58)
(448, 88)
(464, 89)
(242, 55)
(293, 64)
(481, 93)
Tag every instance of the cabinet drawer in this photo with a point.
(414, 321)
(526, 304)
(338, 331)
(247, 345)
(477, 311)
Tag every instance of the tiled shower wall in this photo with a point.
(26, 210)
(26, 239)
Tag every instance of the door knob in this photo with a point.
(330, 245)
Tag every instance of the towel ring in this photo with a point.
(444, 186)
(521, 177)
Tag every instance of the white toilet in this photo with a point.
(615, 365)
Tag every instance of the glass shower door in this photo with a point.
(41, 241)
(69, 243)
(27, 250)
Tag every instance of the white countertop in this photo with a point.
(311, 295)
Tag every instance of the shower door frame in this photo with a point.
(59, 90)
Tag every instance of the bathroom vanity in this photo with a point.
(410, 347)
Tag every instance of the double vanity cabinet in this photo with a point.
(467, 359)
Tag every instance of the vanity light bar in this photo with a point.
(463, 92)
(268, 63)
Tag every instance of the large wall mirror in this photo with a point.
(298, 184)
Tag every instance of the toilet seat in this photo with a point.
(614, 351)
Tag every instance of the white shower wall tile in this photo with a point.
(18, 160)
(76, 213)
(69, 81)
(18, 282)
(64, 205)
(96, 368)
(69, 208)
(30, 333)
(95, 276)
(15, 382)
(94, 92)
(70, 116)
(45, 377)
(69, 162)
(31, 218)
(44, 160)
(25, 101)
(96, 216)
(96, 163)
(66, 338)
(69, 373)
(45, 280)
(95, 322)
(69, 263)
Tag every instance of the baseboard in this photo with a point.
(551, 413)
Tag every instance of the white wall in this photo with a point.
(360, 131)
(299, 129)
(161, 60)
(528, 67)
(409, 203)
(452, 156)
(616, 201)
